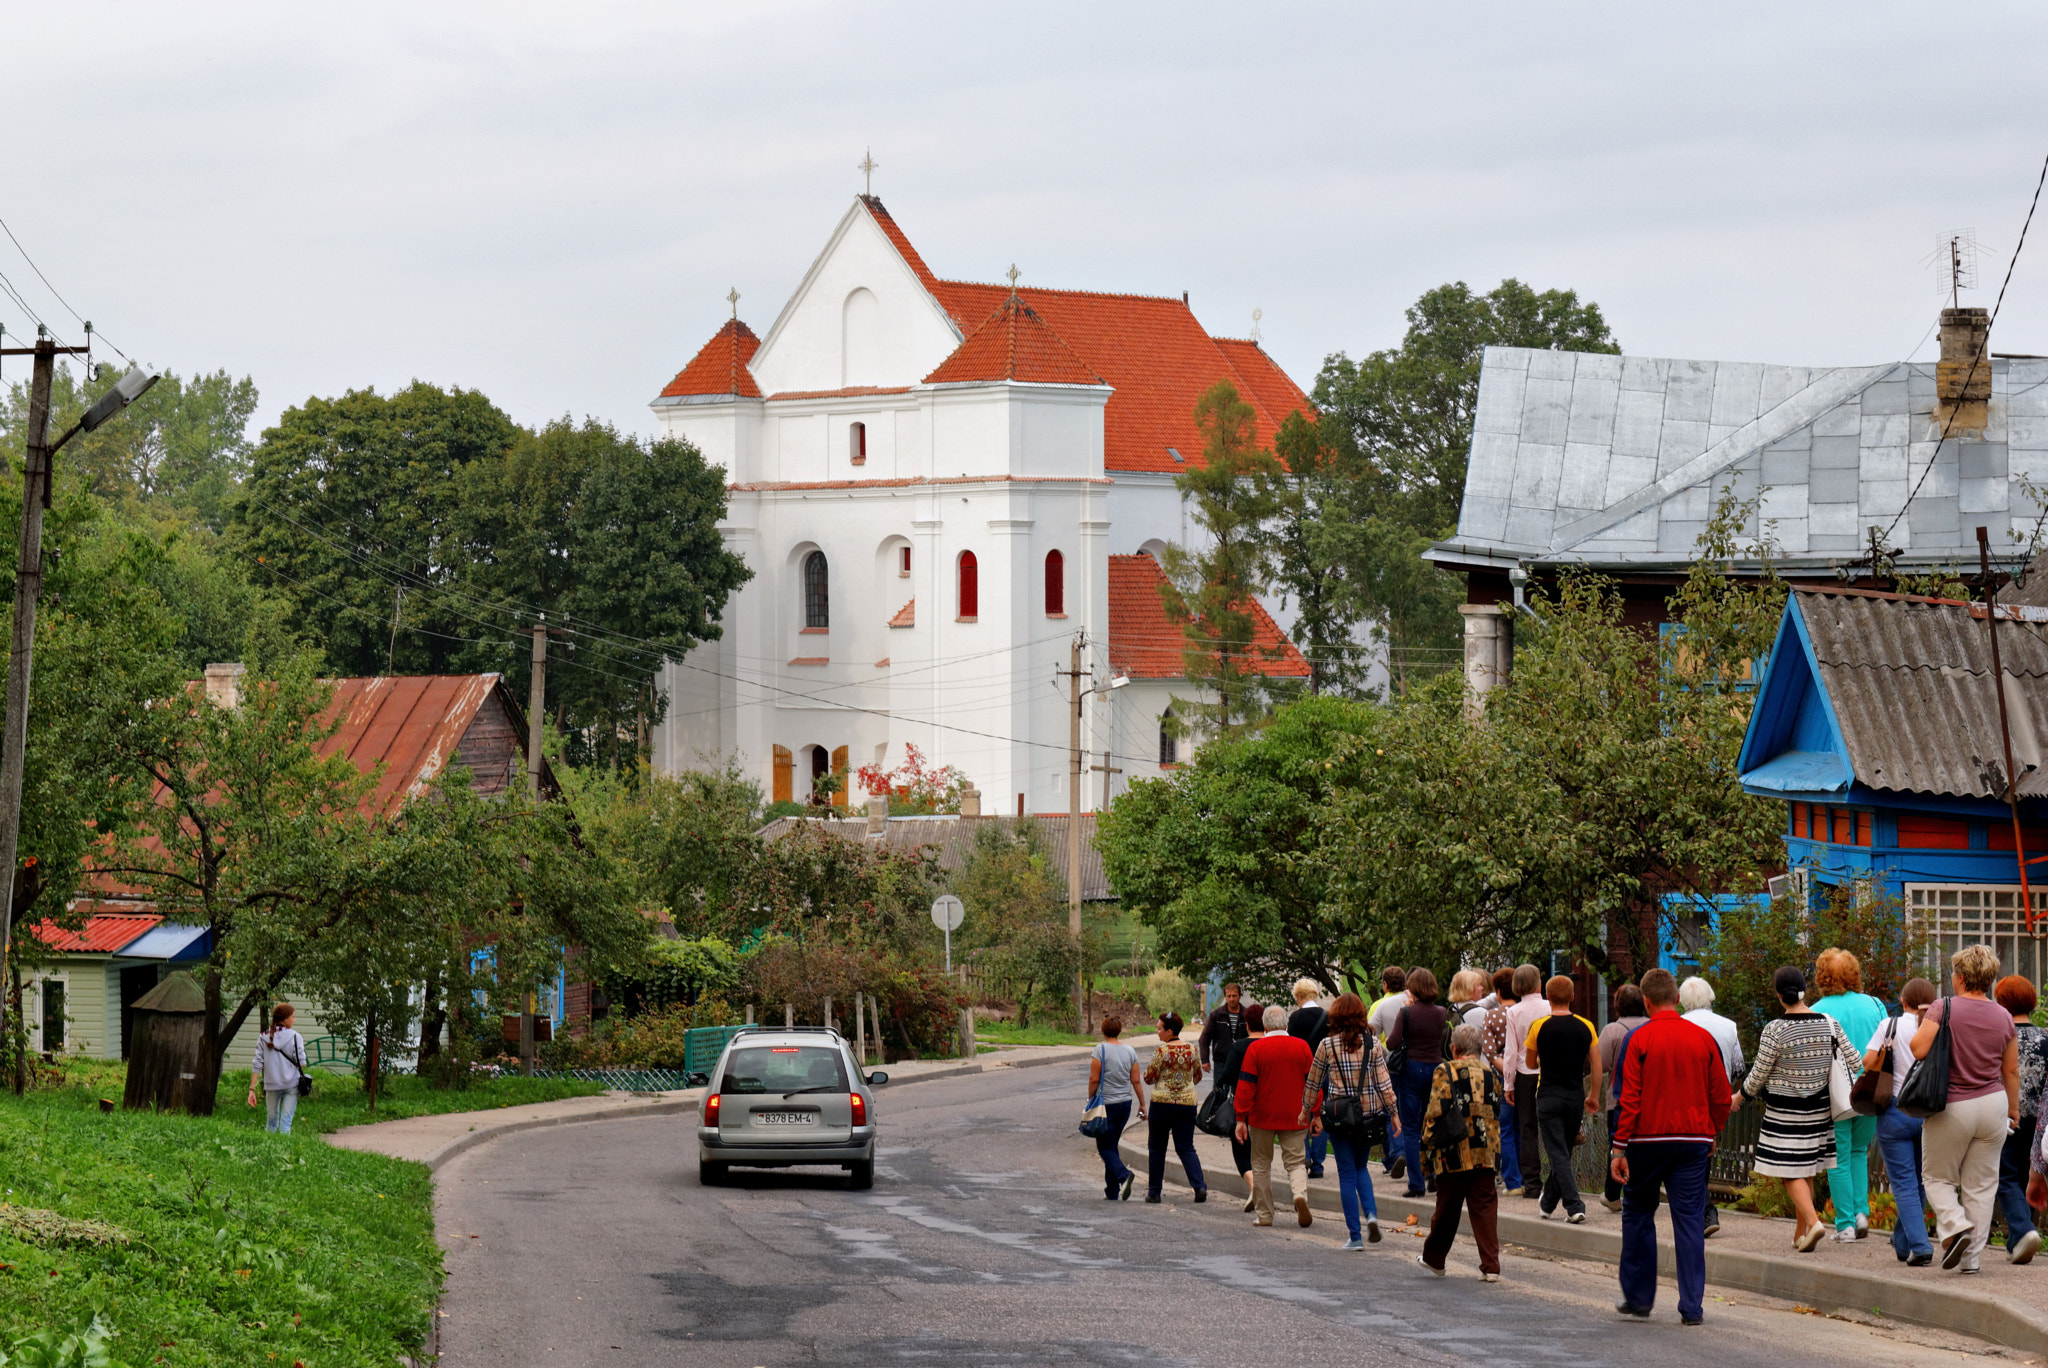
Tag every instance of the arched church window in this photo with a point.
(1055, 584)
(1169, 743)
(970, 587)
(817, 593)
(857, 443)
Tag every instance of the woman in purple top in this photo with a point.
(1418, 1031)
(1962, 1143)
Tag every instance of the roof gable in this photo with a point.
(1794, 745)
(1144, 643)
(720, 365)
(1014, 343)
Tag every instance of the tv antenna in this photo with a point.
(1955, 262)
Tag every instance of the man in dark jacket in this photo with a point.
(1674, 1100)
(1225, 1026)
(1229, 1059)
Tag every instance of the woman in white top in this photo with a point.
(280, 1063)
(1898, 1135)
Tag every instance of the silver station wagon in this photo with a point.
(782, 1097)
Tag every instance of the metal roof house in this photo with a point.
(1877, 723)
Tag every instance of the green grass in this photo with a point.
(243, 1248)
(1009, 1033)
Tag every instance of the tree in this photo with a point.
(1226, 858)
(1751, 942)
(1016, 923)
(915, 788)
(1308, 556)
(1235, 490)
(684, 843)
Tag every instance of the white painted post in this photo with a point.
(860, 1029)
(788, 1015)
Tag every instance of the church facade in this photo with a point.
(941, 485)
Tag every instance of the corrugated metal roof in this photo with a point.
(1911, 685)
(953, 839)
(410, 723)
(103, 934)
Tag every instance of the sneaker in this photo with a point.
(1632, 1311)
(1969, 1266)
(1844, 1235)
(1250, 1201)
(1489, 1277)
(1301, 1212)
(1130, 1181)
(1713, 1226)
(1262, 1221)
(1315, 1173)
(1576, 1218)
(1372, 1229)
(1152, 1199)
(1862, 1227)
(1427, 1264)
(1611, 1203)
(2025, 1249)
(1954, 1248)
(1920, 1260)
(1352, 1244)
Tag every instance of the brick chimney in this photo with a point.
(1962, 395)
(224, 684)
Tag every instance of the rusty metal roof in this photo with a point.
(1911, 685)
(412, 725)
(953, 839)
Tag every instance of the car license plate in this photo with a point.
(784, 1118)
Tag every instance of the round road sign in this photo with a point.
(948, 912)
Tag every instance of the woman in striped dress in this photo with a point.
(1797, 1141)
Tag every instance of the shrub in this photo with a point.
(1169, 990)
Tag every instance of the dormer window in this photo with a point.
(857, 443)
(970, 587)
(1055, 584)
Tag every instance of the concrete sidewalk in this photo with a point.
(433, 1140)
(2003, 1303)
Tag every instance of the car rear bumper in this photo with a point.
(714, 1148)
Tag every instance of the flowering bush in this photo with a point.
(914, 788)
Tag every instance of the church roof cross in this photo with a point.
(867, 167)
(1013, 273)
(733, 298)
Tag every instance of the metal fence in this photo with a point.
(1734, 1155)
(625, 1080)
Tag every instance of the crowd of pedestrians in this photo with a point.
(1487, 1093)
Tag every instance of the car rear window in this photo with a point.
(783, 1068)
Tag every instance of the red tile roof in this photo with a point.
(720, 365)
(906, 616)
(1153, 352)
(902, 243)
(1145, 643)
(411, 724)
(1014, 343)
(103, 934)
(1261, 380)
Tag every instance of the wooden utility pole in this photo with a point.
(1107, 769)
(1073, 674)
(536, 709)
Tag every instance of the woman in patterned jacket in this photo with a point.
(1463, 1164)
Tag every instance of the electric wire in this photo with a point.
(96, 336)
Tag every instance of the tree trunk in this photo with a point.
(207, 1085)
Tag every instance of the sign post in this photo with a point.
(947, 914)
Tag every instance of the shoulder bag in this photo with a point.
(1218, 1113)
(1924, 1090)
(1344, 1112)
(305, 1084)
(1451, 1126)
(1397, 1055)
(1095, 1116)
(1873, 1090)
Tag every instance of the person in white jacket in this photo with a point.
(280, 1063)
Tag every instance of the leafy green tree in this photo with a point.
(1016, 923)
(684, 842)
(1750, 943)
(1235, 490)
(1307, 547)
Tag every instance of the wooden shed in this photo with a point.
(167, 1058)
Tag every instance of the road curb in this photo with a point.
(1938, 1305)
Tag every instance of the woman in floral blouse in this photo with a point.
(1463, 1159)
(1350, 1063)
(1173, 1073)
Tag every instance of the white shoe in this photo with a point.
(1576, 1218)
(1372, 1229)
(1844, 1235)
(1425, 1263)
(1489, 1277)
(1352, 1244)
(1862, 1227)
(1250, 1202)
(2025, 1248)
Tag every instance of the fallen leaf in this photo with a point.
(1413, 1220)
(1806, 1310)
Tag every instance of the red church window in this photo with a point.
(857, 443)
(1055, 584)
(970, 587)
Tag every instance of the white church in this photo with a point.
(939, 485)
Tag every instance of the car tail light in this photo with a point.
(711, 1110)
(860, 1110)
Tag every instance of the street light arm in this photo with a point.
(58, 445)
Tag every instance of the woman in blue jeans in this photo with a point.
(1350, 1063)
(1418, 1031)
(1898, 1135)
(1113, 1080)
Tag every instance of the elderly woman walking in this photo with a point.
(1797, 1139)
(1961, 1144)
(1462, 1125)
(1838, 977)
(1347, 1089)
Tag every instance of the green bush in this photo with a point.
(1169, 990)
(651, 1040)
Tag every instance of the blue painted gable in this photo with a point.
(1794, 746)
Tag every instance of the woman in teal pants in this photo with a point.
(1838, 978)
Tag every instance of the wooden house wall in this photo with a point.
(490, 747)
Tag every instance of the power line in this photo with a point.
(1977, 359)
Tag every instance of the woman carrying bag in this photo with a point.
(280, 1070)
(1973, 1038)
(1797, 1139)
(1350, 1098)
(1885, 1064)
(1113, 1085)
(1838, 978)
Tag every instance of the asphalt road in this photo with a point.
(986, 1241)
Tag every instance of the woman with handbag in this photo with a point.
(1349, 1098)
(1794, 1056)
(279, 1069)
(1113, 1085)
(1462, 1130)
(1173, 1073)
(1963, 1139)
(1230, 1060)
(1838, 978)
(1888, 1058)
(1417, 1036)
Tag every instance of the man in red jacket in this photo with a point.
(1270, 1083)
(1674, 1101)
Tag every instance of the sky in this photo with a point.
(549, 202)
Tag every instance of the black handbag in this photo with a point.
(1924, 1092)
(1451, 1119)
(305, 1084)
(1397, 1055)
(1872, 1091)
(1343, 1113)
(1218, 1113)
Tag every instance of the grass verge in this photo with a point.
(1009, 1033)
(204, 1241)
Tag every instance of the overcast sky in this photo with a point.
(549, 202)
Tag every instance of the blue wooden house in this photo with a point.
(1877, 724)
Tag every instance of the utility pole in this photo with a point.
(536, 708)
(1106, 770)
(28, 589)
(1073, 674)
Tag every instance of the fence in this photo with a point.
(625, 1080)
(1734, 1155)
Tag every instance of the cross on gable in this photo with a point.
(733, 298)
(1013, 273)
(867, 168)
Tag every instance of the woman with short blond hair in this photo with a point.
(1962, 1142)
(1838, 979)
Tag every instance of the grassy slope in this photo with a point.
(248, 1248)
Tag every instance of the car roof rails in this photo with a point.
(765, 1029)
